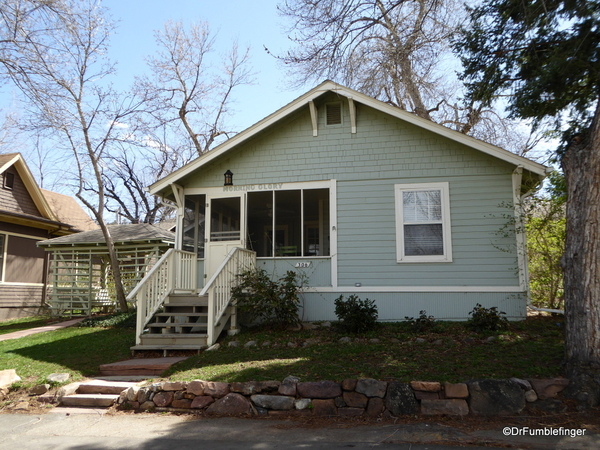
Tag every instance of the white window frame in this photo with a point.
(444, 189)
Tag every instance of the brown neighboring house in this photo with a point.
(28, 215)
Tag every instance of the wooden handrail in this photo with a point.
(175, 270)
(218, 288)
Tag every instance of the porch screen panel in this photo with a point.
(288, 223)
(260, 223)
(316, 222)
(194, 224)
(225, 219)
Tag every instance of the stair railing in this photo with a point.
(219, 287)
(175, 270)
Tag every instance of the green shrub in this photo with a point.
(486, 319)
(356, 315)
(271, 302)
(116, 320)
(421, 324)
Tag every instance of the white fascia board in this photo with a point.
(31, 185)
(300, 102)
(356, 96)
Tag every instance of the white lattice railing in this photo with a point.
(175, 270)
(219, 287)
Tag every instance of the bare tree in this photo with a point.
(136, 166)
(191, 96)
(395, 50)
(57, 61)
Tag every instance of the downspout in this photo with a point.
(522, 240)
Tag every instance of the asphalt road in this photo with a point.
(95, 431)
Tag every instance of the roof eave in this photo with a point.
(316, 92)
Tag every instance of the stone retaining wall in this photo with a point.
(350, 398)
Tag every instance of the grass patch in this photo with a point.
(26, 323)
(78, 351)
(450, 352)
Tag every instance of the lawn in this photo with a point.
(75, 350)
(450, 352)
(25, 324)
(532, 348)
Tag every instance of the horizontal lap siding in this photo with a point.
(318, 274)
(482, 256)
(394, 307)
(19, 301)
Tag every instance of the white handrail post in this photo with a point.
(140, 316)
(211, 317)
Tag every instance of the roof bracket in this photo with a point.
(313, 117)
(352, 108)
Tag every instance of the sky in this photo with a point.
(253, 23)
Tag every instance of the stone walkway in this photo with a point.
(29, 332)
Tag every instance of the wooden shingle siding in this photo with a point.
(17, 199)
(367, 165)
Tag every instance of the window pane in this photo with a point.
(2, 237)
(316, 222)
(288, 226)
(260, 223)
(422, 206)
(24, 261)
(225, 219)
(424, 239)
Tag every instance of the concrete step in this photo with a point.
(89, 400)
(104, 387)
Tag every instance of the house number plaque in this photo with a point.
(303, 264)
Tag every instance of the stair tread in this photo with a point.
(174, 335)
(168, 347)
(176, 324)
(181, 314)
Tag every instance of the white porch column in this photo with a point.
(180, 200)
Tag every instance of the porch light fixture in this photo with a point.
(228, 178)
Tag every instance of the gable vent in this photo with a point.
(9, 180)
(334, 113)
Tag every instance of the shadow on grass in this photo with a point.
(25, 324)
(79, 350)
(441, 357)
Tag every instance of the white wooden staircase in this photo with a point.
(180, 324)
(172, 315)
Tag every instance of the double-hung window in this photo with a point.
(423, 223)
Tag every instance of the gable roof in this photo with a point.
(330, 86)
(15, 159)
(129, 233)
(57, 210)
(68, 211)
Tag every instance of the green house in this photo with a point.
(364, 198)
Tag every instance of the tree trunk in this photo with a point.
(581, 265)
(116, 269)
